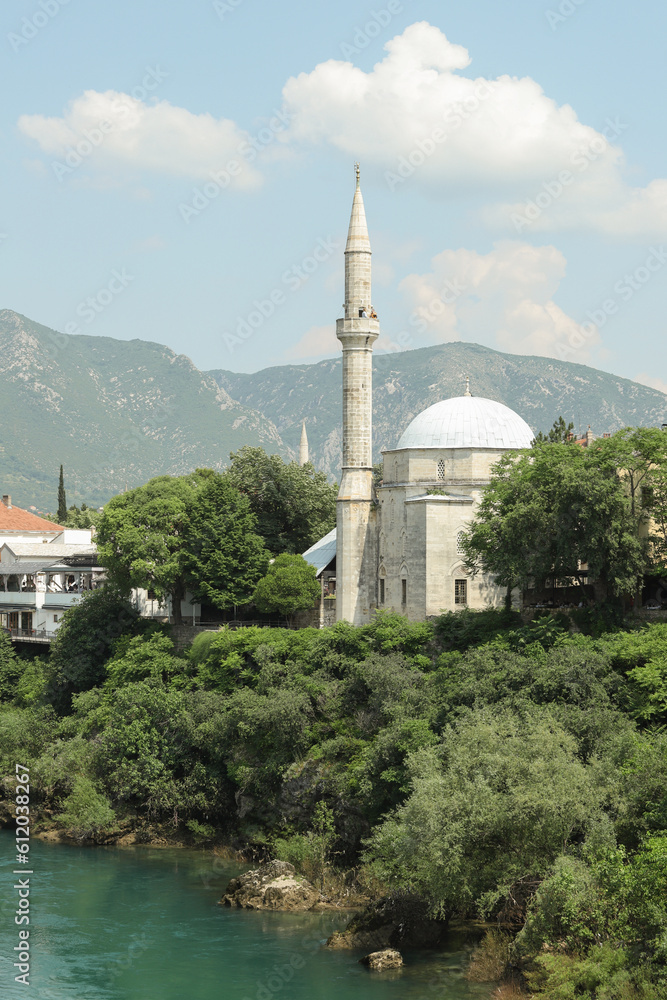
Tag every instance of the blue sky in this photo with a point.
(183, 173)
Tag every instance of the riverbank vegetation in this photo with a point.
(509, 771)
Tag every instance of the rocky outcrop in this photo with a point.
(274, 886)
(391, 922)
(380, 961)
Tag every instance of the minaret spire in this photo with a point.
(355, 561)
(303, 446)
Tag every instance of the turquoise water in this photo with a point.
(143, 924)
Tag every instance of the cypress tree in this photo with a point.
(62, 501)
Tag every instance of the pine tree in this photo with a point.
(62, 500)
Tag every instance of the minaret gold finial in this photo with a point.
(467, 392)
(357, 171)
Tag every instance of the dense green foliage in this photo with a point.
(496, 767)
(550, 510)
(294, 505)
(290, 585)
(180, 532)
(78, 517)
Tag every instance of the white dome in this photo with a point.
(467, 422)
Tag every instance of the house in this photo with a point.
(44, 570)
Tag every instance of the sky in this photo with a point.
(183, 173)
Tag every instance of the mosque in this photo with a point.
(399, 548)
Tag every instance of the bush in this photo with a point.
(459, 630)
(87, 812)
(201, 832)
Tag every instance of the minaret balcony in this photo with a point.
(363, 326)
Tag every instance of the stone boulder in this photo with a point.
(274, 886)
(379, 961)
(391, 922)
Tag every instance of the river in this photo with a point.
(144, 924)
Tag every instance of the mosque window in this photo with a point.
(404, 591)
(459, 542)
(381, 591)
(460, 591)
(441, 469)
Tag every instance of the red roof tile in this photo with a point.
(17, 519)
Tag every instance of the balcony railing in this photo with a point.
(18, 598)
(30, 635)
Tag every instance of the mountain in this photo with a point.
(539, 389)
(115, 413)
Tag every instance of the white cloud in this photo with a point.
(418, 120)
(503, 299)
(111, 128)
(316, 343)
(652, 382)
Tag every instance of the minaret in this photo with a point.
(356, 569)
(303, 446)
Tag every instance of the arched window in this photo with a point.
(441, 469)
(459, 542)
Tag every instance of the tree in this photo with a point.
(10, 668)
(62, 500)
(547, 512)
(655, 502)
(143, 534)
(178, 533)
(226, 558)
(290, 585)
(560, 433)
(294, 505)
(637, 458)
(493, 806)
(85, 641)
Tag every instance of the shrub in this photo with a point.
(87, 812)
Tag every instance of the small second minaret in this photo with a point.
(303, 446)
(357, 332)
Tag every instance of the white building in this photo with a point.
(44, 570)
(401, 549)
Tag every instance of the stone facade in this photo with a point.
(402, 550)
(427, 500)
(356, 559)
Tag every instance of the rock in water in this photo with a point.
(389, 958)
(274, 886)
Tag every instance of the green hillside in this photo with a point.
(117, 412)
(539, 389)
(113, 412)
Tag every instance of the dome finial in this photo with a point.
(357, 172)
(467, 392)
